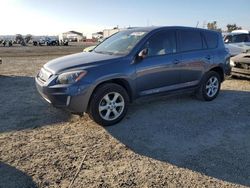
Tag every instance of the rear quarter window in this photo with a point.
(211, 39)
(190, 40)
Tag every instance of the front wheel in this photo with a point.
(210, 86)
(108, 104)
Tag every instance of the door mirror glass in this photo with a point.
(142, 54)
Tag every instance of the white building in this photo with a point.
(98, 35)
(109, 32)
(72, 36)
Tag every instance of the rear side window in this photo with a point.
(190, 40)
(211, 39)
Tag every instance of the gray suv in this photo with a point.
(134, 63)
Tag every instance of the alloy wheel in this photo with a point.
(111, 106)
(212, 86)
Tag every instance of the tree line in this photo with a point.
(230, 27)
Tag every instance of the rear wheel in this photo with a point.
(108, 104)
(210, 86)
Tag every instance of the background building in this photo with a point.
(98, 35)
(109, 32)
(72, 36)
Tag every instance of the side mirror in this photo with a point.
(142, 54)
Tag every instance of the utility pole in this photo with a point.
(197, 24)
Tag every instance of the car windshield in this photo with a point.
(120, 43)
(237, 38)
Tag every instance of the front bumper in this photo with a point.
(72, 98)
(240, 72)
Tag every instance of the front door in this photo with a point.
(159, 71)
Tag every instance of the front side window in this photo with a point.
(190, 40)
(161, 43)
(120, 43)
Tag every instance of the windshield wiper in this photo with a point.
(104, 52)
(100, 52)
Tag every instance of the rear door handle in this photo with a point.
(176, 61)
(208, 57)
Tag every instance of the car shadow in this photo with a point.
(23, 108)
(13, 178)
(212, 138)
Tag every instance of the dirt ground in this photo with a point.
(163, 142)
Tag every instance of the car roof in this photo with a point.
(153, 28)
(234, 34)
(242, 31)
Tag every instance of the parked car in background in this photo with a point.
(5, 43)
(135, 63)
(241, 65)
(91, 48)
(49, 41)
(64, 42)
(237, 42)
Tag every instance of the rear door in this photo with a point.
(195, 56)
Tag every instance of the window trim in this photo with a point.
(204, 41)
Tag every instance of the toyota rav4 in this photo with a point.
(134, 63)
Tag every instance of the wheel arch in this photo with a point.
(220, 71)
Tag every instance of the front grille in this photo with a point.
(44, 75)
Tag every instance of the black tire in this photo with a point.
(202, 91)
(97, 98)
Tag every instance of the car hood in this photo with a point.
(235, 49)
(242, 58)
(86, 59)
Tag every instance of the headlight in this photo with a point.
(70, 77)
(232, 64)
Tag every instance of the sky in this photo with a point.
(51, 17)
